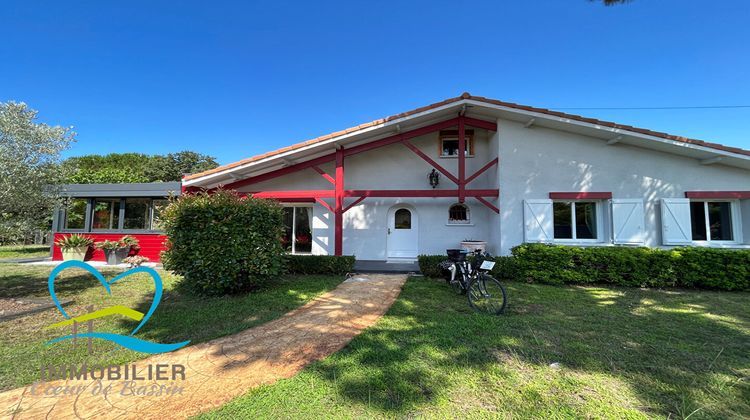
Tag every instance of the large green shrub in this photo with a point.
(694, 267)
(320, 264)
(222, 243)
(706, 268)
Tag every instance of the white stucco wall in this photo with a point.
(536, 161)
(365, 226)
(389, 168)
(533, 162)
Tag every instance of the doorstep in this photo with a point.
(390, 266)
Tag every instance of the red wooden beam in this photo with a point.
(338, 223)
(487, 125)
(279, 172)
(481, 171)
(420, 193)
(325, 175)
(296, 200)
(299, 194)
(429, 160)
(357, 201)
(583, 195)
(396, 138)
(461, 160)
(718, 194)
(324, 204)
(488, 204)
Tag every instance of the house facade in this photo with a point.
(472, 168)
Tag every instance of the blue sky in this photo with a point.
(233, 79)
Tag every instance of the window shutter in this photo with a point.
(675, 221)
(538, 224)
(628, 221)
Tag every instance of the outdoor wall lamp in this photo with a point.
(434, 178)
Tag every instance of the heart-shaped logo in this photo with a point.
(128, 341)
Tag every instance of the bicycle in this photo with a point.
(484, 292)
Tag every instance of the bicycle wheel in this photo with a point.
(487, 295)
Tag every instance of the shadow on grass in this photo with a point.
(185, 316)
(18, 281)
(679, 352)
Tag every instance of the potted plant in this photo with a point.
(116, 251)
(472, 245)
(74, 247)
(131, 242)
(135, 261)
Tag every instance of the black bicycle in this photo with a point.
(484, 292)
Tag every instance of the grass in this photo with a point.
(622, 353)
(23, 251)
(179, 317)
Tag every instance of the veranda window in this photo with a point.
(297, 235)
(75, 214)
(137, 214)
(112, 214)
(106, 214)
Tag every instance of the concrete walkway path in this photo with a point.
(222, 369)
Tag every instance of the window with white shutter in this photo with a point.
(538, 224)
(675, 221)
(628, 221)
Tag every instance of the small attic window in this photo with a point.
(449, 143)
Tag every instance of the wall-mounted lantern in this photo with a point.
(434, 178)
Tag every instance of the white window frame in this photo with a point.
(294, 226)
(736, 222)
(599, 222)
(469, 146)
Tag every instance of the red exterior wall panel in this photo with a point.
(151, 245)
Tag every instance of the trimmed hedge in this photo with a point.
(428, 264)
(320, 264)
(693, 267)
(222, 243)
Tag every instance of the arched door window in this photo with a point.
(402, 219)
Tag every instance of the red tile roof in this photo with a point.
(466, 95)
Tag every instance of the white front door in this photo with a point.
(402, 233)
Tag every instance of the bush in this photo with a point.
(222, 243)
(694, 267)
(713, 268)
(706, 268)
(320, 264)
(428, 265)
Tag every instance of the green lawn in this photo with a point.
(180, 316)
(23, 251)
(622, 353)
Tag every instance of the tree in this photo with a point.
(114, 168)
(134, 167)
(172, 166)
(29, 157)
